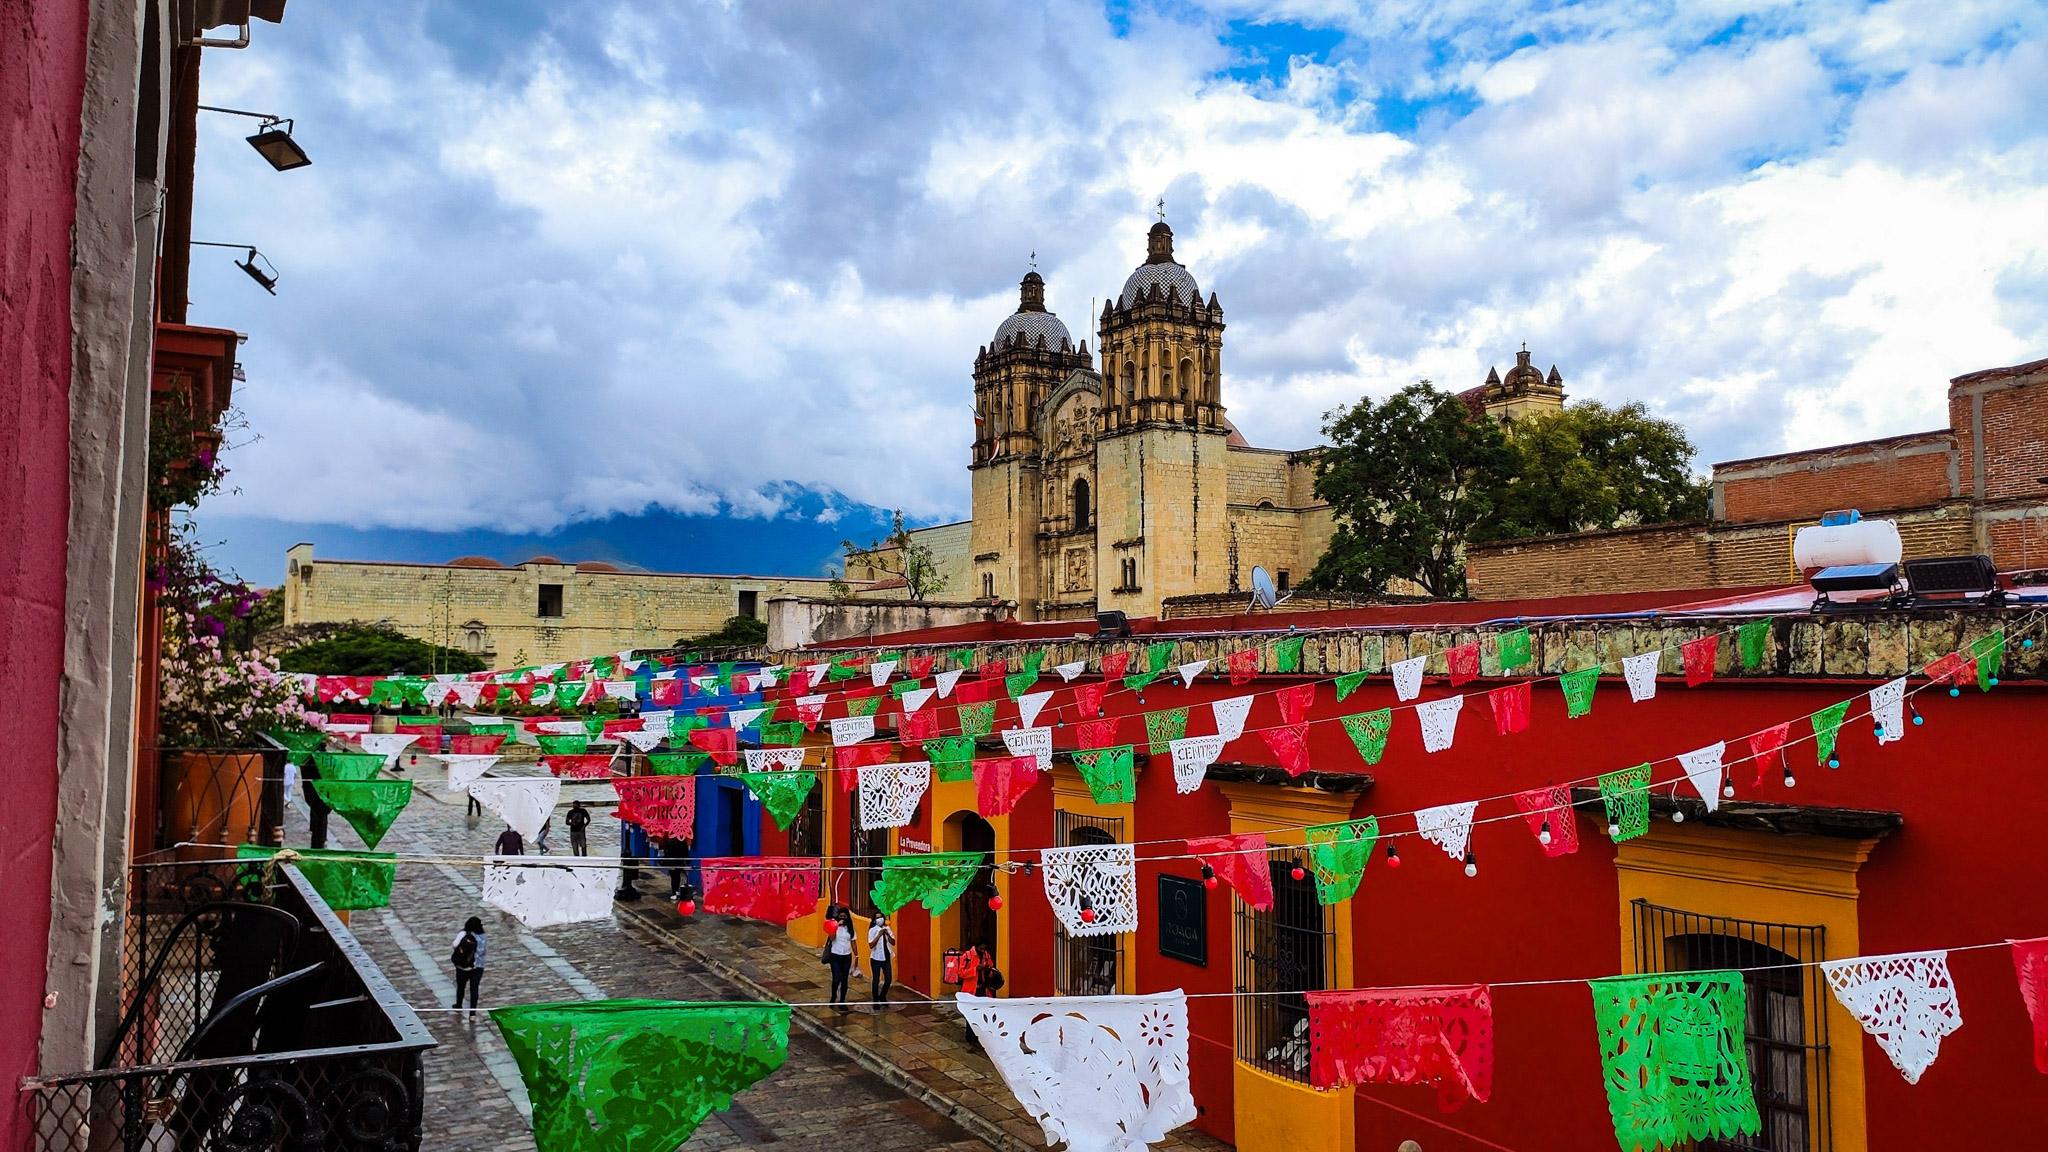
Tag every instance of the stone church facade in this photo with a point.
(1120, 483)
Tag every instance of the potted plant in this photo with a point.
(219, 695)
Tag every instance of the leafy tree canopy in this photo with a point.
(1413, 478)
(736, 632)
(1588, 466)
(901, 554)
(1408, 479)
(370, 650)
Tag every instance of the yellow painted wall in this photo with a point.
(950, 799)
(601, 611)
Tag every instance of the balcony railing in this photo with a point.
(253, 1020)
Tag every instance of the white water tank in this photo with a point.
(1827, 545)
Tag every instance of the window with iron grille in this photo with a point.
(864, 869)
(1288, 949)
(807, 829)
(1787, 1025)
(1086, 965)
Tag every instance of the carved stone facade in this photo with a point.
(1122, 485)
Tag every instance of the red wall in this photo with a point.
(42, 79)
(1964, 869)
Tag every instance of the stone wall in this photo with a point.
(798, 621)
(1875, 646)
(494, 612)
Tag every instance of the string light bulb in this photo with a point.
(1208, 876)
(1298, 872)
(686, 907)
(995, 903)
(1789, 781)
(1471, 864)
(1613, 830)
(1393, 857)
(1087, 910)
(1543, 833)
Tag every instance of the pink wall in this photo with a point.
(42, 79)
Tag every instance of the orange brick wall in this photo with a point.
(1686, 556)
(2015, 432)
(1909, 474)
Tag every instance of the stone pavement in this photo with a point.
(475, 1101)
(903, 1075)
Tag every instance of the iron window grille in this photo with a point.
(1786, 1029)
(1086, 965)
(863, 869)
(1289, 949)
(807, 830)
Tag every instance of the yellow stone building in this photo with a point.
(538, 611)
(1122, 484)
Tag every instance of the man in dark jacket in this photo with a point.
(510, 843)
(578, 819)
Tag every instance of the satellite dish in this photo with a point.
(1263, 593)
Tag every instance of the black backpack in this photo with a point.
(990, 980)
(465, 951)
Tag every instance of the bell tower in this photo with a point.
(1162, 477)
(1013, 374)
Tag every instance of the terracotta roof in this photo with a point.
(539, 560)
(474, 562)
(595, 566)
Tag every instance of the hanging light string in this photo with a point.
(825, 765)
(1016, 858)
(1491, 986)
(1673, 783)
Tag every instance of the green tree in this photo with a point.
(1588, 466)
(736, 632)
(371, 650)
(912, 560)
(1408, 480)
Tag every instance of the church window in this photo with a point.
(988, 585)
(550, 600)
(1283, 579)
(1187, 380)
(1130, 389)
(1080, 504)
(750, 603)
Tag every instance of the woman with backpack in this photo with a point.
(468, 959)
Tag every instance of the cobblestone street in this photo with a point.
(475, 1100)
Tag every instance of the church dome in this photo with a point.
(1160, 268)
(1033, 325)
(1031, 320)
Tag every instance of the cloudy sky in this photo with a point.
(700, 287)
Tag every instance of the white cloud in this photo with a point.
(713, 260)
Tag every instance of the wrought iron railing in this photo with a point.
(253, 1020)
(220, 796)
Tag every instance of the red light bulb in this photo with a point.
(1208, 882)
(1299, 873)
(995, 903)
(1087, 915)
(687, 907)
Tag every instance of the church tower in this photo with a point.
(1030, 356)
(1163, 502)
(1526, 391)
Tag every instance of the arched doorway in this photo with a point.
(970, 921)
(1081, 509)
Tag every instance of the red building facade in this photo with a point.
(1928, 842)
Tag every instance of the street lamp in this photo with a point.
(271, 142)
(266, 275)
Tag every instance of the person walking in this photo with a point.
(475, 811)
(881, 954)
(510, 843)
(675, 855)
(468, 958)
(839, 955)
(578, 820)
(541, 841)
